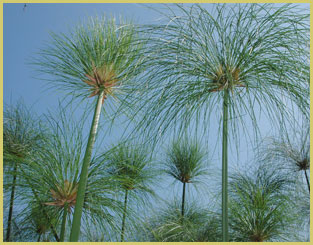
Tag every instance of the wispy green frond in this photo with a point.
(98, 54)
(54, 173)
(261, 206)
(197, 225)
(290, 151)
(130, 169)
(22, 132)
(130, 166)
(258, 52)
(185, 161)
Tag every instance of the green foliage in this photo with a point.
(97, 58)
(55, 171)
(290, 151)
(33, 225)
(257, 52)
(99, 43)
(185, 161)
(197, 225)
(130, 169)
(242, 59)
(100, 54)
(22, 133)
(22, 136)
(129, 165)
(260, 206)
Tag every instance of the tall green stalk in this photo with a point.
(11, 204)
(63, 226)
(183, 200)
(224, 169)
(124, 216)
(84, 173)
(98, 58)
(307, 179)
(38, 240)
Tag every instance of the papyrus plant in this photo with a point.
(95, 59)
(231, 60)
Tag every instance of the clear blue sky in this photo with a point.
(27, 30)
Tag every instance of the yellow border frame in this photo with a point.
(138, 1)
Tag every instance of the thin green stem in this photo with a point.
(124, 216)
(63, 226)
(38, 240)
(307, 179)
(224, 169)
(11, 203)
(183, 200)
(84, 172)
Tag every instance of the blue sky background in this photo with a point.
(27, 30)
